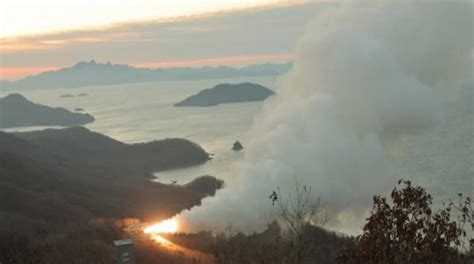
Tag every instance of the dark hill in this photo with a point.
(205, 184)
(81, 145)
(228, 93)
(17, 111)
(62, 189)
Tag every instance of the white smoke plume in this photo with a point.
(365, 73)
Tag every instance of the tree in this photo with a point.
(299, 212)
(408, 231)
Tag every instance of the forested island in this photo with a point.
(228, 93)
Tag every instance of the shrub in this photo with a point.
(408, 231)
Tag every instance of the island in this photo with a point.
(17, 111)
(228, 93)
(237, 146)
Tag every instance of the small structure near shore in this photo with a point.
(237, 146)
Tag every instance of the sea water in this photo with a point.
(441, 159)
(142, 112)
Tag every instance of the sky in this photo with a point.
(37, 36)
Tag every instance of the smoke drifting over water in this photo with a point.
(364, 75)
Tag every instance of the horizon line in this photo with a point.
(236, 62)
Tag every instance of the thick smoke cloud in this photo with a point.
(364, 75)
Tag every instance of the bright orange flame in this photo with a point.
(167, 226)
(161, 239)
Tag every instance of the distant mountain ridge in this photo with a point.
(17, 111)
(228, 93)
(92, 73)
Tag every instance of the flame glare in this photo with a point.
(167, 226)
(161, 240)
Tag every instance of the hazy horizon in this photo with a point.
(177, 66)
(235, 26)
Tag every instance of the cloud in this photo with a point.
(30, 17)
(241, 33)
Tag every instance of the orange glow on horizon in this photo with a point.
(226, 60)
(11, 73)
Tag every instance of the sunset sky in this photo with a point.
(46, 35)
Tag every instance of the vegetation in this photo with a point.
(62, 201)
(299, 212)
(206, 185)
(266, 247)
(64, 191)
(409, 231)
(298, 237)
